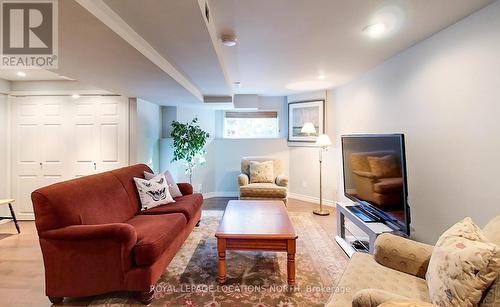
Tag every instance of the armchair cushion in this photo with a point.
(282, 180)
(243, 179)
(374, 297)
(261, 172)
(155, 233)
(263, 190)
(402, 254)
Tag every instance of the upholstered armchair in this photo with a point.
(265, 191)
(395, 275)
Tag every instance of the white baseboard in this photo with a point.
(311, 199)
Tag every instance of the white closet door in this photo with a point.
(38, 159)
(60, 138)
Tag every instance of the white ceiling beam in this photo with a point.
(107, 16)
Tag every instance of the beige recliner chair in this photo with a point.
(278, 190)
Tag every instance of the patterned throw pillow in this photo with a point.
(384, 167)
(261, 172)
(172, 185)
(463, 265)
(153, 192)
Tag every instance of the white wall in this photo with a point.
(4, 167)
(145, 133)
(304, 160)
(444, 94)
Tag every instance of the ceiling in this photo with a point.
(168, 53)
(290, 41)
(31, 75)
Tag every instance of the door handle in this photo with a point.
(95, 166)
(41, 165)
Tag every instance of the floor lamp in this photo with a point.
(323, 141)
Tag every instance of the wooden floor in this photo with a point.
(21, 265)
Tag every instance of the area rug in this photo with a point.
(254, 278)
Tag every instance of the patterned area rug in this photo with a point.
(254, 278)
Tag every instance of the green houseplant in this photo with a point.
(189, 145)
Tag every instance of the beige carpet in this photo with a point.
(254, 278)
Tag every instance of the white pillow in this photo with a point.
(172, 185)
(153, 192)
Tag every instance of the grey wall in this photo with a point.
(304, 160)
(444, 94)
(145, 133)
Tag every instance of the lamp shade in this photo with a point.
(323, 140)
(308, 128)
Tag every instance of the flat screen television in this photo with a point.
(375, 178)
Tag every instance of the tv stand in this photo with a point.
(358, 236)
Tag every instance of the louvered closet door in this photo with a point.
(38, 157)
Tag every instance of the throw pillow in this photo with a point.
(462, 266)
(384, 167)
(261, 172)
(172, 185)
(153, 192)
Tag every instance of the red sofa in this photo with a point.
(95, 239)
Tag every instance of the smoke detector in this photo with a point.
(229, 40)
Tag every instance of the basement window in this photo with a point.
(251, 125)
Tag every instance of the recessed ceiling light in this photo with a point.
(229, 40)
(21, 74)
(76, 96)
(375, 30)
(310, 85)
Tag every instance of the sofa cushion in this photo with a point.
(264, 190)
(363, 272)
(187, 205)
(155, 233)
(492, 232)
(153, 192)
(463, 265)
(173, 188)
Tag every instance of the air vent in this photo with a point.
(207, 12)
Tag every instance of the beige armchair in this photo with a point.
(395, 275)
(264, 191)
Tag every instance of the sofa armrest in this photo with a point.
(365, 174)
(185, 188)
(282, 180)
(243, 179)
(116, 231)
(402, 254)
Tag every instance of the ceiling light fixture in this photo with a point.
(229, 40)
(21, 74)
(375, 30)
(75, 96)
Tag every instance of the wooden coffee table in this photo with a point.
(258, 226)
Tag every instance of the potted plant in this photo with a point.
(189, 145)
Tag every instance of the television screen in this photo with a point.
(375, 177)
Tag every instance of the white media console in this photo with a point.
(352, 231)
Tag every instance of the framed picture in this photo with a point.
(300, 113)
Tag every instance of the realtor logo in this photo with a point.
(28, 34)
